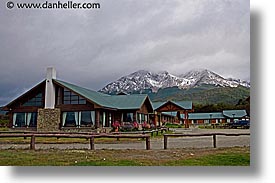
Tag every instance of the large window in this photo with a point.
(25, 119)
(105, 119)
(70, 97)
(128, 117)
(35, 101)
(102, 119)
(141, 118)
(78, 119)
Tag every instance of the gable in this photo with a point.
(173, 106)
(35, 97)
(169, 106)
(89, 95)
(146, 106)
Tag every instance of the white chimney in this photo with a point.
(50, 89)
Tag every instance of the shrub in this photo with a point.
(127, 126)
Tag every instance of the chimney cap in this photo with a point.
(51, 73)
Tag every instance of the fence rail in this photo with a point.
(214, 135)
(66, 135)
(93, 136)
(157, 131)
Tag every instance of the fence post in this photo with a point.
(214, 140)
(32, 145)
(147, 143)
(92, 143)
(165, 141)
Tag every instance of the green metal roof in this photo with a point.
(134, 101)
(212, 115)
(234, 113)
(182, 104)
(157, 104)
(96, 97)
(109, 101)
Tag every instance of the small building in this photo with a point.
(233, 115)
(177, 108)
(226, 116)
(207, 118)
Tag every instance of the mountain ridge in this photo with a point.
(146, 80)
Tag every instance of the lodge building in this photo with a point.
(54, 105)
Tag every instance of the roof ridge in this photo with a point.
(81, 87)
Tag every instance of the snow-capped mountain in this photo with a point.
(204, 76)
(142, 79)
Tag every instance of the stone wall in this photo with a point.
(48, 119)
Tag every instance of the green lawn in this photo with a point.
(237, 156)
(223, 159)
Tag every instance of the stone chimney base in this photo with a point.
(48, 120)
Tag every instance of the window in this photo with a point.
(142, 117)
(110, 118)
(70, 119)
(78, 119)
(25, 119)
(102, 119)
(128, 117)
(70, 97)
(35, 101)
(87, 118)
(105, 119)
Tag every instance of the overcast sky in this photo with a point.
(94, 47)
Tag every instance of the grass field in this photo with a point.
(235, 156)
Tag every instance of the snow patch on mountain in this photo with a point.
(142, 79)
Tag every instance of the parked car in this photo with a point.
(240, 124)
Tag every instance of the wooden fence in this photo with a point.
(156, 131)
(66, 135)
(92, 136)
(214, 136)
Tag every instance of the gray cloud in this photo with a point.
(94, 47)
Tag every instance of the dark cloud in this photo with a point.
(94, 47)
